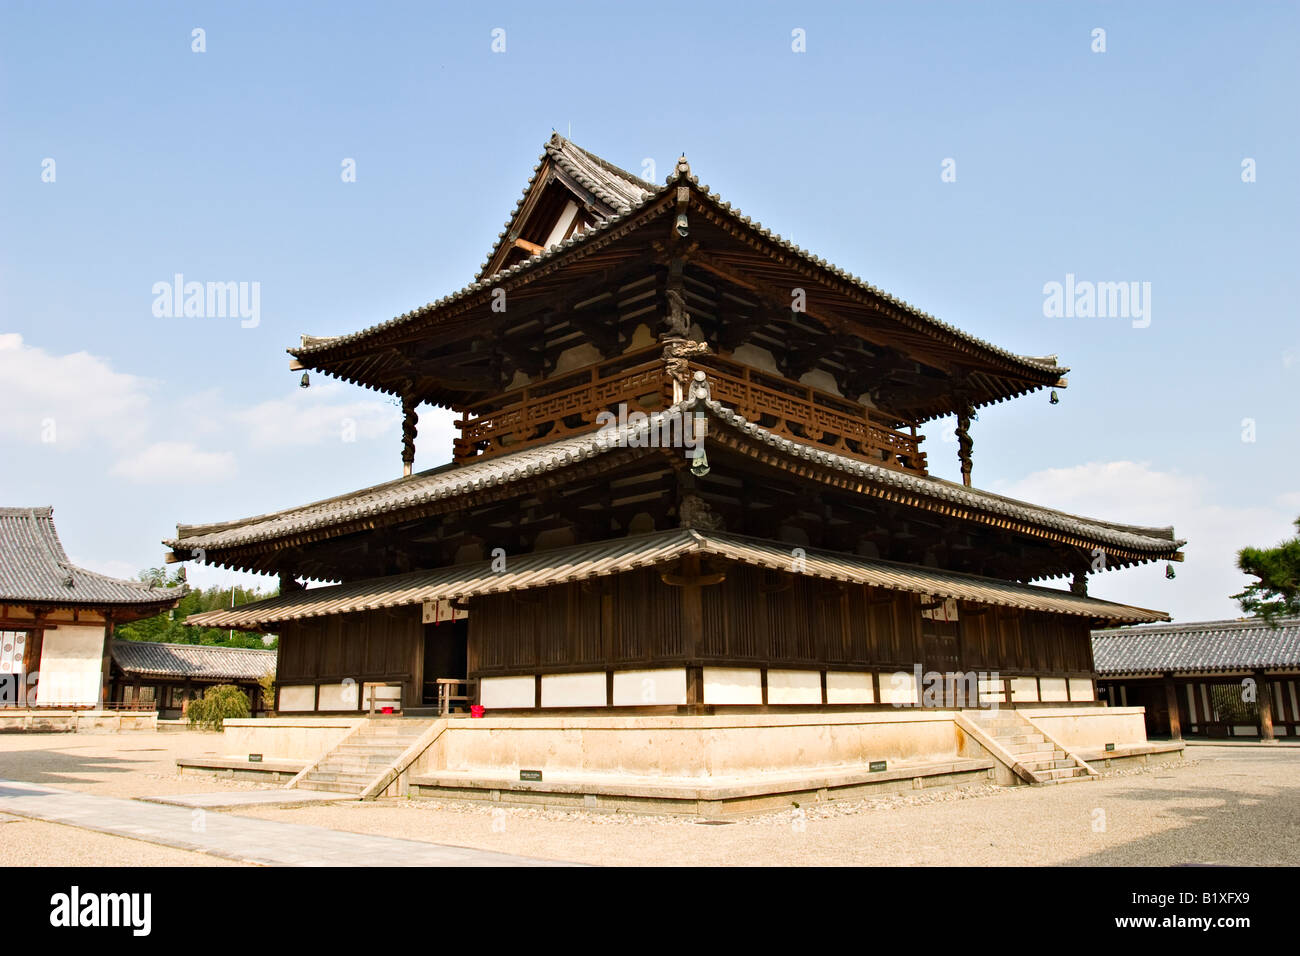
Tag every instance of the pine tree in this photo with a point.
(1277, 592)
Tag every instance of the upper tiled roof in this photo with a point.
(1205, 646)
(618, 183)
(616, 189)
(193, 660)
(34, 567)
(449, 481)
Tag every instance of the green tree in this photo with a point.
(1277, 592)
(217, 705)
(169, 627)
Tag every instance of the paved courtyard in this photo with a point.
(1223, 805)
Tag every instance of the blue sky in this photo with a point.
(1123, 165)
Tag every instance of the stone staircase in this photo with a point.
(366, 757)
(1030, 753)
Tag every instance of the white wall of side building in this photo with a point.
(72, 665)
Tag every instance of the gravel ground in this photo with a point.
(1222, 805)
(1225, 806)
(112, 765)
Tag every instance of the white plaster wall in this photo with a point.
(339, 696)
(755, 356)
(574, 690)
(992, 692)
(1080, 688)
(649, 688)
(1024, 689)
(899, 688)
(561, 225)
(503, 692)
(72, 662)
(576, 357)
(794, 687)
(849, 687)
(733, 685)
(820, 379)
(297, 698)
(1053, 689)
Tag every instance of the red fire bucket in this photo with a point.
(386, 710)
(476, 710)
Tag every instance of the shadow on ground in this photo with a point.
(1224, 828)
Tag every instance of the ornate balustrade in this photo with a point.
(809, 415)
(568, 404)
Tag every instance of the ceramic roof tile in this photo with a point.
(34, 567)
(1205, 646)
(193, 660)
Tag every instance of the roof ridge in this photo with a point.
(631, 177)
(1216, 625)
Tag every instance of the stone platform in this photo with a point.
(707, 764)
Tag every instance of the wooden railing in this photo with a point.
(570, 403)
(563, 404)
(804, 414)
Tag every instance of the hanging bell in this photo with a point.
(304, 381)
(1169, 572)
(1055, 399)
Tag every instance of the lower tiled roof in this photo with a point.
(144, 659)
(620, 555)
(1206, 646)
(449, 482)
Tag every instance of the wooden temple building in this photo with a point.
(691, 477)
(57, 619)
(1206, 678)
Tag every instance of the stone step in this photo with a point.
(1060, 773)
(362, 780)
(1045, 747)
(330, 786)
(1037, 766)
(368, 750)
(350, 766)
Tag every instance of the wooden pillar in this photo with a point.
(409, 421)
(693, 631)
(964, 442)
(31, 665)
(1264, 702)
(1171, 696)
(106, 664)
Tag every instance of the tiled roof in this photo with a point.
(35, 568)
(449, 482)
(617, 189)
(1206, 646)
(618, 185)
(619, 555)
(140, 658)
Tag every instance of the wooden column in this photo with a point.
(964, 442)
(31, 664)
(106, 665)
(409, 422)
(1264, 701)
(1171, 697)
(693, 631)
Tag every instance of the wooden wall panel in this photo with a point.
(753, 617)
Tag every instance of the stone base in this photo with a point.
(76, 721)
(707, 764)
(709, 799)
(1124, 758)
